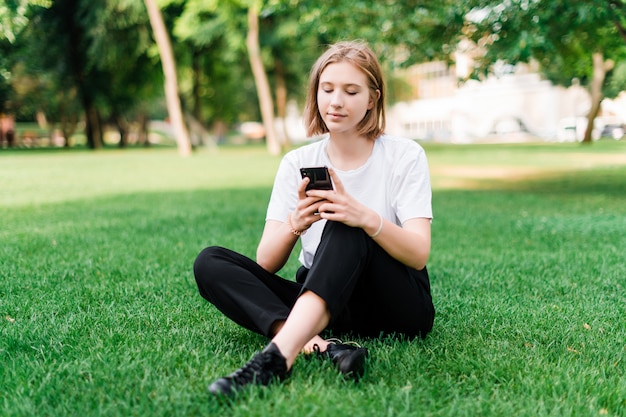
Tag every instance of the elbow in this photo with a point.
(420, 261)
(420, 266)
(267, 267)
(267, 263)
(263, 262)
(415, 261)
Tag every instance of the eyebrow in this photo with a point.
(342, 85)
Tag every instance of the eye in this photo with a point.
(352, 93)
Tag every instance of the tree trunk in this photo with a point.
(171, 81)
(68, 128)
(196, 71)
(262, 84)
(600, 68)
(143, 129)
(197, 130)
(123, 129)
(93, 127)
(281, 101)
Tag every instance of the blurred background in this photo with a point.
(196, 73)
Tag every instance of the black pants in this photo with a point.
(367, 292)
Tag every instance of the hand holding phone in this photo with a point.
(319, 178)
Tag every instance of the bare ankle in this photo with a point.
(315, 346)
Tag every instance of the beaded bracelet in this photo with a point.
(293, 230)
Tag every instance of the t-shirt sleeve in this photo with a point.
(411, 186)
(285, 191)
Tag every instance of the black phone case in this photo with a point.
(319, 178)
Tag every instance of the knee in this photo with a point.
(206, 267)
(204, 258)
(210, 259)
(343, 234)
(338, 227)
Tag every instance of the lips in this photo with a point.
(336, 116)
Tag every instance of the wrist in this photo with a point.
(294, 230)
(379, 226)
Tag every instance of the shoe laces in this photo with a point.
(340, 342)
(333, 340)
(261, 368)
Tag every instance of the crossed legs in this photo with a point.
(290, 313)
(307, 319)
(353, 285)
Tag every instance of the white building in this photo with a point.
(514, 106)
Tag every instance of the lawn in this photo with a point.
(100, 316)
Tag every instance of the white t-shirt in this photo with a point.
(394, 182)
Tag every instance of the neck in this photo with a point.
(349, 153)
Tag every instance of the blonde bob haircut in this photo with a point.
(361, 56)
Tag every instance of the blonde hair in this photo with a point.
(361, 56)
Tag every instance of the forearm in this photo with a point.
(275, 246)
(409, 244)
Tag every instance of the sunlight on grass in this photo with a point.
(44, 177)
(38, 177)
(484, 166)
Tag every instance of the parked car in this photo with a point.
(614, 131)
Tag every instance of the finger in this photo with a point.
(330, 215)
(315, 207)
(302, 188)
(319, 195)
(336, 181)
(328, 208)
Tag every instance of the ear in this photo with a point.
(371, 103)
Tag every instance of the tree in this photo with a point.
(65, 55)
(86, 52)
(171, 79)
(13, 19)
(120, 46)
(569, 40)
(220, 77)
(266, 102)
(239, 26)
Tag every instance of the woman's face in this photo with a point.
(343, 97)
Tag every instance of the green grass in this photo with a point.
(99, 314)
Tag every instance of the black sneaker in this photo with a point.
(348, 358)
(264, 367)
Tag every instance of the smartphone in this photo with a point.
(319, 178)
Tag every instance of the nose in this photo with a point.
(336, 100)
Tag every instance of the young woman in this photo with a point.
(365, 243)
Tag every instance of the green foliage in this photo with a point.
(560, 35)
(13, 16)
(616, 80)
(99, 314)
(74, 52)
(220, 86)
(401, 32)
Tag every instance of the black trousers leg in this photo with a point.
(367, 291)
(242, 290)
